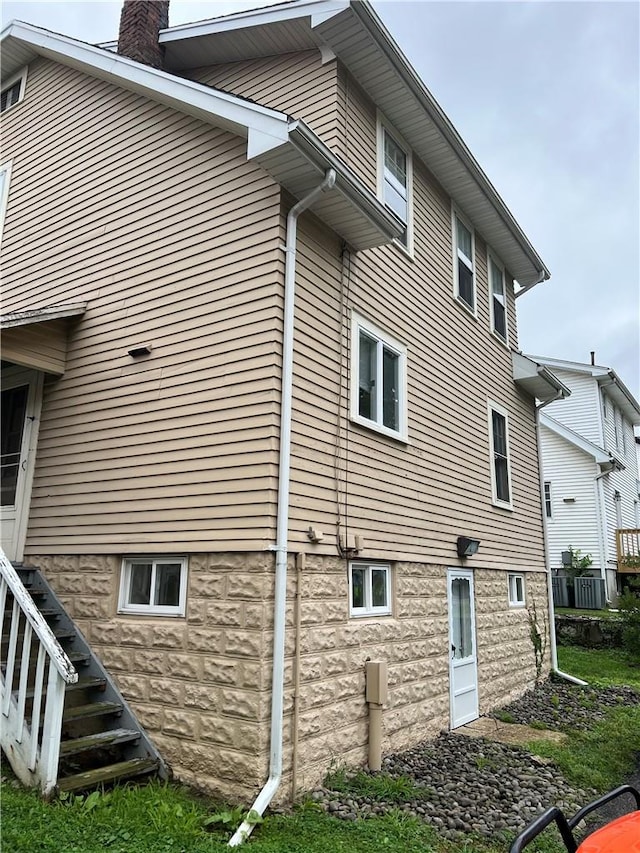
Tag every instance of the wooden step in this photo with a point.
(111, 773)
(90, 683)
(92, 709)
(97, 741)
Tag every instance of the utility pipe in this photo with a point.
(603, 545)
(547, 560)
(279, 607)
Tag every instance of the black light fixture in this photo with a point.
(467, 547)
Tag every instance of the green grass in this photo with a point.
(596, 614)
(599, 666)
(161, 818)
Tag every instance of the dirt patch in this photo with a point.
(511, 733)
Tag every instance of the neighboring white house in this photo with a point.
(590, 466)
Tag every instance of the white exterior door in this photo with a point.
(463, 668)
(20, 412)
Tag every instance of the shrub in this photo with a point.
(629, 607)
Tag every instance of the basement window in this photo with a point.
(369, 589)
(516, 590)
(153, 585)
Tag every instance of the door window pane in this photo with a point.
(14, 409)
(461, 618)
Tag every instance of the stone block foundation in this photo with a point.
(200, 684)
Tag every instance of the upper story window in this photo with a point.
(13, 91)
(155, 586)
(616, 429)
(395, 178)
(464, 264)
(379, 379)
(605, 405)
(369, 589)
(500, 461)
(498, 298)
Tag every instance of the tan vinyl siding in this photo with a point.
(159, 224)
(296, 83)
(42, 346)
(409, 501)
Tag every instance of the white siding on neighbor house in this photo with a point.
(572, 474)
(160, 225)
(624, 482)
(581, 412)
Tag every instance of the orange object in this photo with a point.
(620, 836)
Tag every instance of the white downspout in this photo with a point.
(603, 543)
(279, 607)
(547, 560)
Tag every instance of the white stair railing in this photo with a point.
(34, 673)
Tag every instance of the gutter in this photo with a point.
(547, 561)
(280, 601)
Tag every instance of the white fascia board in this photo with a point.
(41, 315)
(317, 12)
(227, 111)
(600, 455)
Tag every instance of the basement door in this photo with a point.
(20, 414)
(463, 666)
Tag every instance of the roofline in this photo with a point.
(262, 126)
(319, 10)
(369, 17)
(602, 457)
(41, 315)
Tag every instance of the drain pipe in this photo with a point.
(279, 606)
(547, 560)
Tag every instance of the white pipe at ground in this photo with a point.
(279, 608)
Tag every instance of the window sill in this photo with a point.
(150, 611)
(400, 437)
(501, 340)
(502, 505)
(407, 251)
(518, 605)
(371, 614)
(464, 306)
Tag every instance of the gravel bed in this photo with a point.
(475, 786)
(558, 704)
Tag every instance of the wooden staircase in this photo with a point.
(99, 739)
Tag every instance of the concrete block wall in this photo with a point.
(198, 683)
(201, 684)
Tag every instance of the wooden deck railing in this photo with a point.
(628, 550)
(33, 675)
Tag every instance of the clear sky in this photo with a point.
(547, 97)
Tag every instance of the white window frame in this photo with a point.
(500, 410)
(358, 324)
(493, 260)
(5, 170)
(124, 606)
(517, 592)
(470, 263)
(21, 77)
(384, 127)
(548, 505)
(369, 609)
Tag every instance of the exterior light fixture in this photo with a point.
(467, 547)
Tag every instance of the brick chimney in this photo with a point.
(140, 23)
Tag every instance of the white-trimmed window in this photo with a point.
(395, 178)
(500, 463)
(498, 298)
(13, 91)
(369, 589)
(153, 585)
(464, 262)
(5, 178)
(548, 510)
(516, 590)
(379, 379)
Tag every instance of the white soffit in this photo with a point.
(537, 380)
(361, 42)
